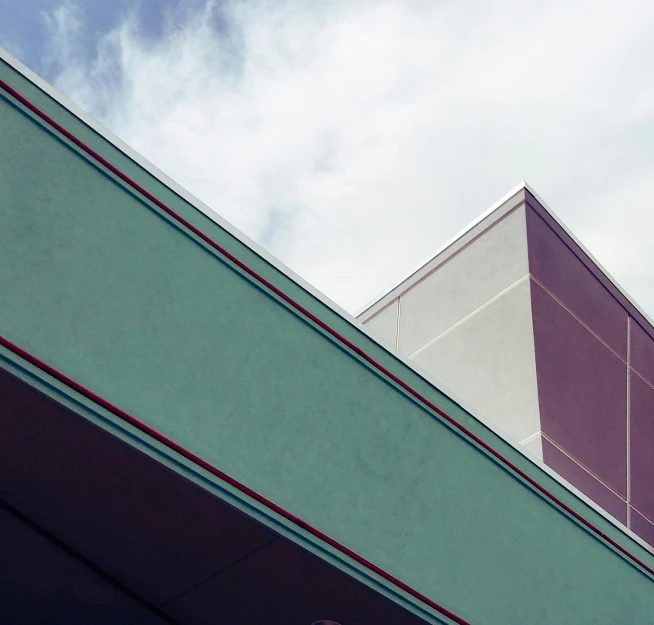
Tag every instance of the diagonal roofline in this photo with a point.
(442, 248)
(590, 256)
(166, 180)
(495, 206)
(89, 121)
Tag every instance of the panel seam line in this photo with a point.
(570, 312)
(628, 424)
(582, 466)
(469, 316)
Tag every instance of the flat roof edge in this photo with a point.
(527, 187)
(505, 198)
(166, 180)
(590, 256)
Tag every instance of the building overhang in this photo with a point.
(194, 362)
(98, 525)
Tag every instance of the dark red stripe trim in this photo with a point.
(354, 348)
(224, 477)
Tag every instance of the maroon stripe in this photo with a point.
(223, 476)
(323, 326)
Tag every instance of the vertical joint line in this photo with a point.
(628, 421)
(397, 325)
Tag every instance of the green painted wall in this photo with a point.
(104, 287)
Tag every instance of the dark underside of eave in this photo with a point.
(95, 532)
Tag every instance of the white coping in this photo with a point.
(166, 180)
(440, 250)
(580, 245)
(485, 221)
(523, 185)
(193, 201)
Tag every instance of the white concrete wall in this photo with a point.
(466, 322)
(384, 324)
(488, 360)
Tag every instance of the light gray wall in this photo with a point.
(465, 319)
(384, 324)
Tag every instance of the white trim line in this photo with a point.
(644, 544)
(583, 466)
(454, 239)
(578, 319)
(581, 246)
(397, 324)
(523, 185)
(643, 515)
(643, 378)
(531, 437)
(472, 314)
(628, 420)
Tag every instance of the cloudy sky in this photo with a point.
(352, 138)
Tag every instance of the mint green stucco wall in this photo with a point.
(103, 286)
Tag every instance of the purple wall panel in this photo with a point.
(556, 228)
(642, 445)
(582, 391)
(553, 264)
(641, 356)
(584, 481)
(642, 527)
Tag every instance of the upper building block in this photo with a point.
(516, 319)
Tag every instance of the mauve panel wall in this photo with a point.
(641, 354)
(582, 390)
(384, 324)
(642, 445)
(642, 527)
(584, 481)
(554, 265)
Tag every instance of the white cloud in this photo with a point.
(353, 138)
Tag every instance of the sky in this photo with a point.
(351, 139)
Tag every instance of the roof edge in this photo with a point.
(590, 257)
(505, 198)
(527, 187)
(166, 180)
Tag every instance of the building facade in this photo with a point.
(189, 434)
(521, 323)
